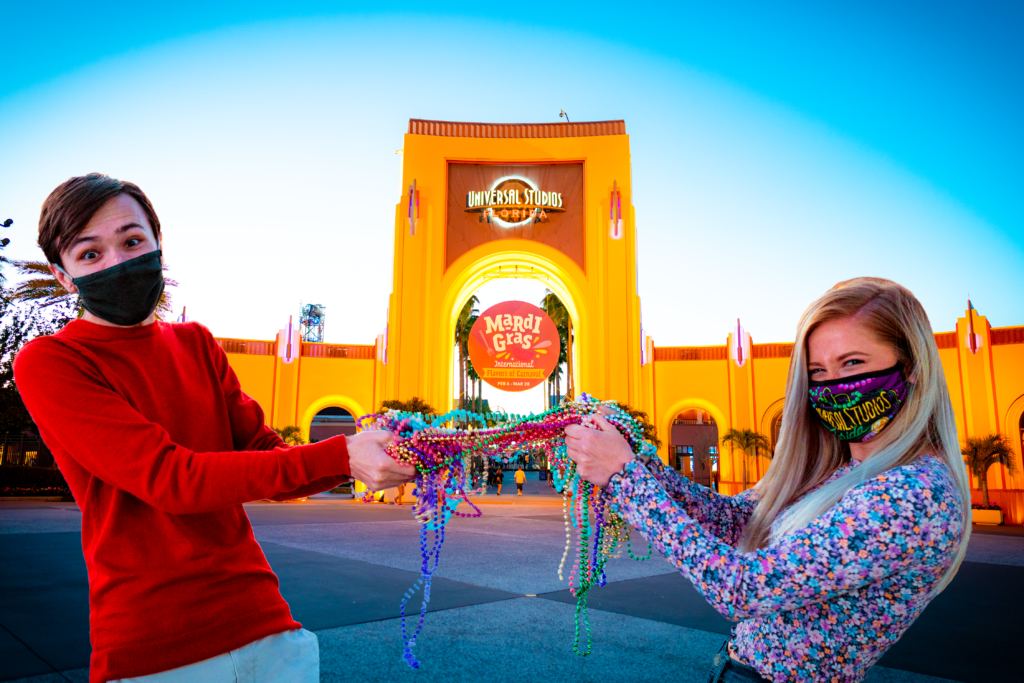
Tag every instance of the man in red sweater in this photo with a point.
(161, 447)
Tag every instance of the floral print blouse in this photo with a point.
(821, 604)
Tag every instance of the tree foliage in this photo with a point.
(44, 289)
(749, 441)
(291, 435)
(463, 328)
(19, 323)
(650, 431)
(983, 452)
(559, 315)
(413, 405)
(703, 441)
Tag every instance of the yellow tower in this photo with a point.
(544, 201)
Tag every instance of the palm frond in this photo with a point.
(44, 289)
(982, 452)
(291, 435)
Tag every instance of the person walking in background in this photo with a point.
(520, 480)
(499, 476)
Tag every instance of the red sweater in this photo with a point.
(160, 448)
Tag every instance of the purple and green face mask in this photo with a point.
(858, 407)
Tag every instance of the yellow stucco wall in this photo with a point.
(327, 382)
(293, 393)
(256, 375)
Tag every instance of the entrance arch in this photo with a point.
(1013, 427)
(334, 400)
(665, 428)
(771, 419)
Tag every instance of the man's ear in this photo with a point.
(63, 279)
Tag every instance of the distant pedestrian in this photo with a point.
(499, 476)
(520, 480)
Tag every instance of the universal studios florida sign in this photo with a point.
(514, 201)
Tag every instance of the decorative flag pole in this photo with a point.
(288, 343)
(738, 343)
(615, 212)
(973, 340)
(414, 207)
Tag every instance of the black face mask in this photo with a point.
(124, 294)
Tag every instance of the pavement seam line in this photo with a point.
(39, 656)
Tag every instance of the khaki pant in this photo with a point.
(287, 657)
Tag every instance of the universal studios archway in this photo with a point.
(545, 201)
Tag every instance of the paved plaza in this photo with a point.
(499, 612)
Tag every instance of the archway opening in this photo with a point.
(528, 273)
(515, 277)
(469, 390)
(693, 449)
(1020, 435)
(331, 421)
(776, 431)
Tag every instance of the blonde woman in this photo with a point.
(861, 520)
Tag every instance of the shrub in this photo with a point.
(32, 481)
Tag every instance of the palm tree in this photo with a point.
(982, 452)
(43, 288)
(650, 431)
(462, 330)
(291, 435)
(748, 441)
(554, 382)
(476, 386)
(559, 315)
(467, 367)
(413, 405)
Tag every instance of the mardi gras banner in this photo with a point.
(514, 346)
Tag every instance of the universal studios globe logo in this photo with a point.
(514, 201)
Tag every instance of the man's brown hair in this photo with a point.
(71, 206)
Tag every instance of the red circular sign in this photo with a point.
(514, 346)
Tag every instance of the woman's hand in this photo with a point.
(599, 451)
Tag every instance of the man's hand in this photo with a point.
(599, 451)
(371, 465)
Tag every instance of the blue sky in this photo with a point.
(776, 150)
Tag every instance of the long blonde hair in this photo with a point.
(807, 454)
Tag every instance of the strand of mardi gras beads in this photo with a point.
(441, 453)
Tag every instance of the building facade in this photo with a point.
(553, 202)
